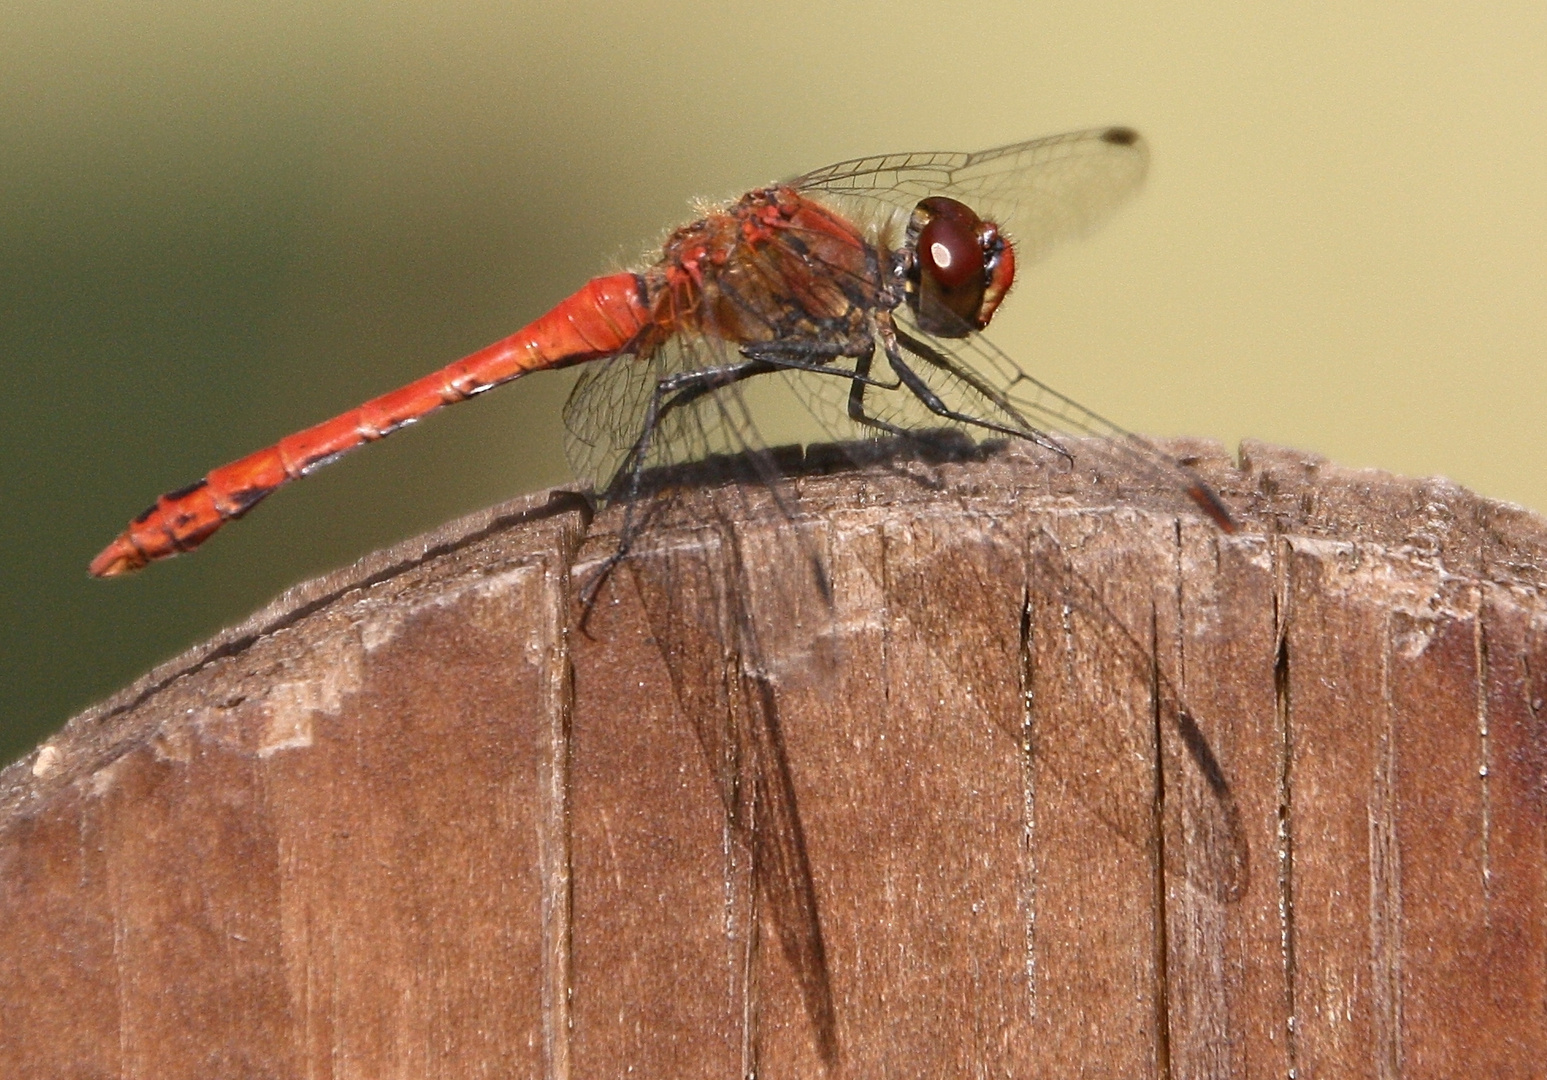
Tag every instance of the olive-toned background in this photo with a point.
(221, 223)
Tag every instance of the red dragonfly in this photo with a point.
(906, 254)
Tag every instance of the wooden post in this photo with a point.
(983, 767)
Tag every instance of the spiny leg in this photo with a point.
(816, 357)
(1139, 451)
(675, 391)
(671, 392)
(685, 388)
(933, 402)
(857, 411)
(792, 356)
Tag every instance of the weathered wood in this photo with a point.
(982, 767)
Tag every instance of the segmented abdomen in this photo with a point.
(608, 316)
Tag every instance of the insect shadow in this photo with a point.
(1191, 812)
(699, 603)
(695, 600)
(689, 568)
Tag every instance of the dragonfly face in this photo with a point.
(957, 268)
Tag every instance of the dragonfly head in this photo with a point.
(959, 267)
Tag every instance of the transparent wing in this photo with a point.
(1041, 192)
(607, 413)
(977, 378)
(978, 389)
(603, 416)
(1046, 190)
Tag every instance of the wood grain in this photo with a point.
(974, 765)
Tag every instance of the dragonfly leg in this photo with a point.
(896, 341)
(1139, 451)
(795, 356)
(857, 411)
(788, 356)
(670, 393)
(816, 357)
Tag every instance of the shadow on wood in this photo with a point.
(1036, 774)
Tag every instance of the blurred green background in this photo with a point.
(220, 223)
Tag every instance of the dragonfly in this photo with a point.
(865, 285)
(865, 288)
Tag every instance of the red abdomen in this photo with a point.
(608, 316)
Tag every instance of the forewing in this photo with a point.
(990, 393)
(1041, 192)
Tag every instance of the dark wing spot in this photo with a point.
(1120, 136)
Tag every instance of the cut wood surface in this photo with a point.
(977, 767)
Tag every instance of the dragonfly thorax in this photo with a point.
(772, 266)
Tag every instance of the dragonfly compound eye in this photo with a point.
(962, 268)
